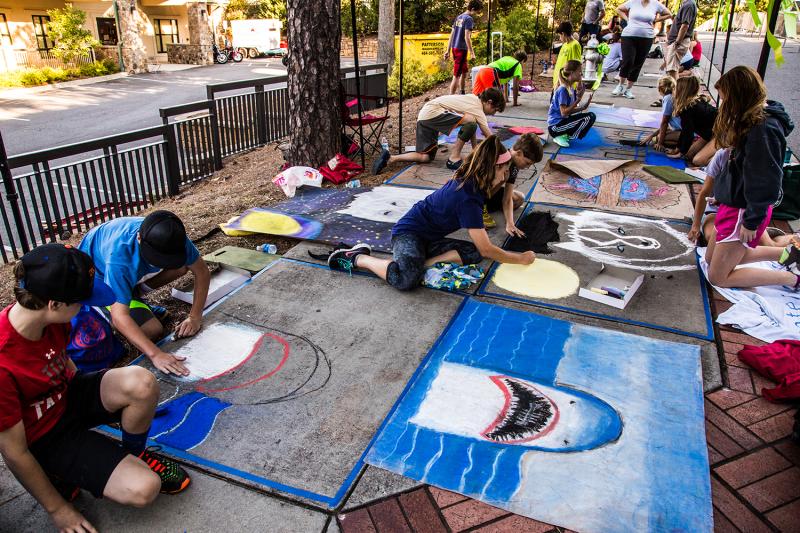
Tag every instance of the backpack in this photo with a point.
(655, 53)
(789, 207)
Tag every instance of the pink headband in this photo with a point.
(505, 157)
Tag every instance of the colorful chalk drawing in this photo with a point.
(562, 423)
(626, 116)
(628, 189)
(333, 215)
(626, 242)
(231, 364)
(544, 278)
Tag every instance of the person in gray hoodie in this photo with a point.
(755, 130)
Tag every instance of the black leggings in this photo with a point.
(634, 52)
(576, 125)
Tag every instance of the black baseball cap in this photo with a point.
(63, 274)
(163, 240)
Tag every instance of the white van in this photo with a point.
(257, 36)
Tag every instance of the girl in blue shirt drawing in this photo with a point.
(563, 123)
(419, 239)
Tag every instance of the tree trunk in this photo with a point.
(315, 122)
(564, 11)
(386, 33)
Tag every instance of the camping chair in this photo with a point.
(371, 123)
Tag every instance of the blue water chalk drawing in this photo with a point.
(632, 190)
(186, 421)
(576, 426)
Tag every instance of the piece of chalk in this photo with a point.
(599, 291)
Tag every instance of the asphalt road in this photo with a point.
(783, 83)
(38, 120)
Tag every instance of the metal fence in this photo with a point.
(11, 60)
(71, 188)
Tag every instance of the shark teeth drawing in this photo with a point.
(527, 415)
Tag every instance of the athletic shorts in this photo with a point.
(460, 65)
(486, 78)
(428, 131)
(140, 312)
(70, 452)
(729, 223)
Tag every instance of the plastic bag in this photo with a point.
(293, 177)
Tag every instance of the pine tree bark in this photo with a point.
(386, 33)
(314, 40)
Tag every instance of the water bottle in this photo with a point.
(352, 184)
(267, 248)
(385, 143)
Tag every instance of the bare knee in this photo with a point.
(145, 490)
(139, 384)
(153, 329)
(719, 279)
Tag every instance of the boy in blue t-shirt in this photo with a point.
(419, 239)
(461, 44)
(563, 122)
(135, 255)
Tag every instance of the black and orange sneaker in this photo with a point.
(173, 477)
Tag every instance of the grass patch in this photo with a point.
(31, 77)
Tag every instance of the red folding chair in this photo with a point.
(371, 122)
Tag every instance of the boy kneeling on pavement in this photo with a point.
(47, 408)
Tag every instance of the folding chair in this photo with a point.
(372, 124)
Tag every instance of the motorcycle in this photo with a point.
(223, 55)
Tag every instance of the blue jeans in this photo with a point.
(410, 252)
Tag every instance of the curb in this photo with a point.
(26, 91)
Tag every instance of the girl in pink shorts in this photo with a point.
(749, 185)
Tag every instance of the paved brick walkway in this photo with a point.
(755, 469)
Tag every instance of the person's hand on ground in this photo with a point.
(188, 327)
(68, 520)
(746, 235)
(659, 147)
(170, 363)
(514, 231)
(693, 234)
(527, 258)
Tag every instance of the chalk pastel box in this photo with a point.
(223, 282)
(611, 281)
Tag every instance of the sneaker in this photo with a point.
(790, 254)
(628, 94)
(344, 258)
(488, 221)
(381, 162)
(562, 141)
(174, 478)
(617, 90)
(453, 165)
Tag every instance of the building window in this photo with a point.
(43, 42)
(5, 34)
(166, 31)
(107, 31)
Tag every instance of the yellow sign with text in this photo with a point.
(427, 48)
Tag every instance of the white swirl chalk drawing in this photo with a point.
(385, 203)
(627, 242)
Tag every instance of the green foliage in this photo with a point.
(430, 16)
(519, 29)
(66, 29)
(41, 76)
(366, 17)
(256, 9)
(415, 79)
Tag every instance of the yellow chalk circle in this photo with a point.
(549, 280)
(272, 223)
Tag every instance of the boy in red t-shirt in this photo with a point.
(47, 409)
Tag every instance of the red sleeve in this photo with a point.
(10, 408)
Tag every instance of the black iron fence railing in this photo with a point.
(50, 194)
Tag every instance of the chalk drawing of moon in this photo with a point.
(627, 242)
(546, 279)
(385, 203)
(488, 406)
(263, 221)
(217, 349)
